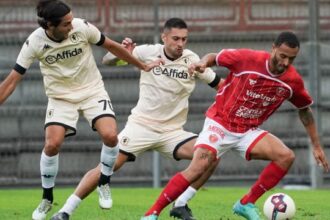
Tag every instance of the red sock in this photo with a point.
(268, 178)
(175, 187)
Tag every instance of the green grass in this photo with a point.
(130, 203)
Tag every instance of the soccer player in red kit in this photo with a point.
(258, 83)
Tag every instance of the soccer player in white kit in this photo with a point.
(73, 84)
(258, 83)
(156, 122)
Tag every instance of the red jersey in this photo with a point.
(251, 93)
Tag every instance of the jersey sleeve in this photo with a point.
(93, 34)
(139, 52)
(208, 76)
(300, 97)
(26, 57)
(230, 58)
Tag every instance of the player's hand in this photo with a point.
(151, 65)
(128, 44)
(196, 67)
(320, 158)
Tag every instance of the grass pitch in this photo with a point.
(210, 203)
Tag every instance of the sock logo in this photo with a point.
(105, 164)
(47, 176)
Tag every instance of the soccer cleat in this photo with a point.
(105, 200)
(149, 217)
(182, 212)
(41, 211)
(249, 211)
(61, 216)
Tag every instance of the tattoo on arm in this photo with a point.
(306, 116)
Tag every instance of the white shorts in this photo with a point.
(66, 114)
(219, 140)
(135, 139)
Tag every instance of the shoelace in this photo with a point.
(43, 206)
(105, 191)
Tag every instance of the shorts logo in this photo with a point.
(217, 130)
(213, 138)
(124, 141)
(50, 113)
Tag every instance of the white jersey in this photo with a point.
(68, 67)
(164, 91)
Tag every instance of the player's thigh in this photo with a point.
(269, 147)
(62, 113)
(178, 144)
(135, 139)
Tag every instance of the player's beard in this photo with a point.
(279, 68)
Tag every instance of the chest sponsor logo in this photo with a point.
(263, 97)
(67, 54)
(249, 113)
(170, 72)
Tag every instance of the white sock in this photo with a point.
(48, 170)
(71, 204)
(187, 195)
(108, 159)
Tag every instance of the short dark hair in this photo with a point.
(51, 11)
(288, 38)
(175, 23)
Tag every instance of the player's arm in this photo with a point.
(207, 61)
(122, 53)
(306, 117)
(8, 86)
(111, 60)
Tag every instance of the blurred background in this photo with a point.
(213, 25)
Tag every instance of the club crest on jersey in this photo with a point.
(280, 91)
(170, 72)
(74, 38)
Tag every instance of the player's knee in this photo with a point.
(287, 158)
(110, 139)
(196, 171)
(52, 147)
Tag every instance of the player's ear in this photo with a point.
(163, 36)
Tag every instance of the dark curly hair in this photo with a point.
(51, 11)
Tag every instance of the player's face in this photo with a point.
(281, 58)
(175, 41)
(61, 32)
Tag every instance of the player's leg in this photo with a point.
(107, 128)
(265, 147)
(180, 207)
(49, 168)
(281, 158)
(61, 118)
(181, 181)
(86, 186)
